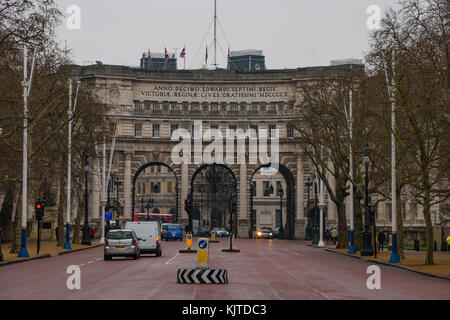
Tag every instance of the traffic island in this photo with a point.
(188, 250)
(231, 250)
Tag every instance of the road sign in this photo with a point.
(189, 240)
(203, 253)
(108, 215)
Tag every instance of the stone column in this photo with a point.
(332, 209)
(95, 199)
(184, 189)
(243, 192)
(300, 188)
(127, 186)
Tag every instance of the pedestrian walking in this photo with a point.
(448, 242)
(92, 232)
(381, 238)
(56, 234)
(327, 236)
(334, 235)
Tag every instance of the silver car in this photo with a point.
(122, 243)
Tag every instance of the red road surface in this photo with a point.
(264, 269)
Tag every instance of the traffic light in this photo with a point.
(39, 209)
(188, 205)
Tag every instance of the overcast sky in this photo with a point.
(291, 33)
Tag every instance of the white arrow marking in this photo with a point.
(194, 276)
(205, 276)
(214, 276)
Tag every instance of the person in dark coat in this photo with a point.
(381, 239)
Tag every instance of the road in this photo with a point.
(263, 270)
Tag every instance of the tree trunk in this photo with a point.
(357, 220)
(16, 226)
(6, 213)
(76, 229)
(429, 226)
(342, 227)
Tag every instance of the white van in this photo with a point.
(148, 234)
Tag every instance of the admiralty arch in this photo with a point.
(147, 106)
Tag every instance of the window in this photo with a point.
(159, 168)
(137, 105)
(278, 187)
(266, 187)
(254, 188)
(173, 127)
(232, 131)
(138, 130)
(254, 131)
(155, 187)
(389, 210)
(272, 131)
(155, 129)
(169, 187)
(112, 128)
(290, 132)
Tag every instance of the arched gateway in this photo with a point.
(148, 106)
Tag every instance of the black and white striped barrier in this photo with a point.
(210, 276)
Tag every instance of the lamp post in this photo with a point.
(280, 193)
(321, 206)
(308, 214)
(367, 240)
(252, 216)
(86, 240)
(315, 230)
(1, 253)
(117, 184)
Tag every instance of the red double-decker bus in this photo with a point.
(162, 218)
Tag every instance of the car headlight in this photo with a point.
(259, 233)
(271, 233)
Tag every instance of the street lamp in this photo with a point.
(280, 193)
(315, 230)
(117, 184)
(321, 206)
(86, 239)
(1, 254)
(308, 235)
(367, 240)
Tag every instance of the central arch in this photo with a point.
(175, 210)
(289, 226)
(213, 187)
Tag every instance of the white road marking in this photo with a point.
(171, 259)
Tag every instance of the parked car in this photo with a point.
(264, 233)
(203, 231)
(174, 231)
(149, 235)
(221, 232)
(122, 243)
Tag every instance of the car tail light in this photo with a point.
(106, 242)
(134, 242)
(157, 240)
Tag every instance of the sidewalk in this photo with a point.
(47, 249)
(414, 261)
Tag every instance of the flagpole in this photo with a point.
(184, 57)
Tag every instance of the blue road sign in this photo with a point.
(189, 236)
(184, 224)
(108, 215)
(202, 244)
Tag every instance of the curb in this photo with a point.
(48, 255)
(392, 265)
(4, 263)
(76, 250)
(344, 254)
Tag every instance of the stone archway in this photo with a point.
(136, 175)
(213, 187)
(289, 226)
